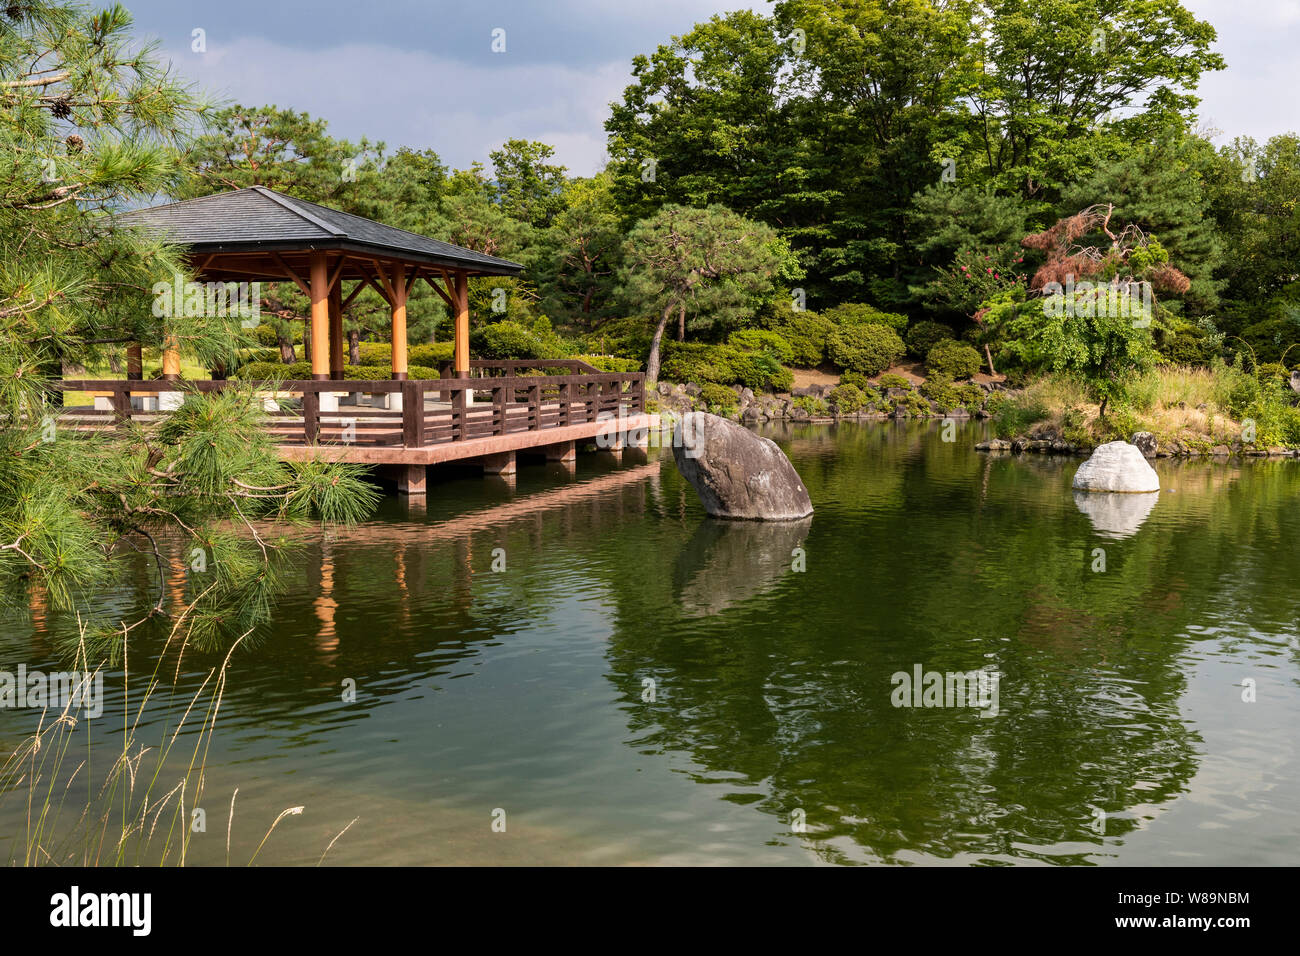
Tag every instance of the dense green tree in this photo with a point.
(580, 253)
(709, 264)
(1054, 77)
(1255, 200)
(527, 187)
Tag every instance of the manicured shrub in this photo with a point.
(860, 313)
(956, 360)
(857, 379)
(375, 353)
(611, 363)
(721, 364)
(847, 398)
(925, 335)
(813, 405)
(971, 395)
(719, 399)
(869, 349)
(893, 380)
(806, 333)
(915, 404)
(505, 340)
(299, 371)
(940, 390)
(428, 355)
(761, 340)
(255, 371)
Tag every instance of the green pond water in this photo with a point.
(641, 684)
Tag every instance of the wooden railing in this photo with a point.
(432, 410)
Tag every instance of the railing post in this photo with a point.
(311, 416)
(566, 391)
(500, 405)
(458, 414)
(534, 407)
(121, 400)
(412, 413)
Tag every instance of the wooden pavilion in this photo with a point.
(480, 411)
(257, 234)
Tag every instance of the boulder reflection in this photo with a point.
(726, 562)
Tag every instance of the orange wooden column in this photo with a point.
(320, 318)
(336, 330)
(398, 307)
(171, 359)
(462, 326)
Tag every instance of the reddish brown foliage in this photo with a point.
(1167, 278)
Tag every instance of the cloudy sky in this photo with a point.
(422, 73)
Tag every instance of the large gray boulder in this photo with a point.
(1117, 466)
(736, 473)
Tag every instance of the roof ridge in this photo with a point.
(417, 235)
(289, 203)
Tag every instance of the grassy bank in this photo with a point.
(1190, 411)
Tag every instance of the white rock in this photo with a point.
(1117, 466)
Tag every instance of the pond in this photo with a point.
(583, 668)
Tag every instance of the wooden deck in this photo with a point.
(407, 423)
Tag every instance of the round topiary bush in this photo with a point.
(505, 340)
(806, 332)
(719, 399)
(925, 335)
(847, 398)
(957, 360)
(862, 313)
(869, 349)
(762, 340)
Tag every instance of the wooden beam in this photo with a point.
(306, 290)
(383, 277)
(356, 291)
(433, 284)
(369, 280)
(334, 279)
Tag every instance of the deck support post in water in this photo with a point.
(411, 479)
(502, 464)
(566, 451)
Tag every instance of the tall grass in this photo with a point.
(1198, 406)
(136, 814)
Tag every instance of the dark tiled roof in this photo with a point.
(247, 220)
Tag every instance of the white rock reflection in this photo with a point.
(1115, 515)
